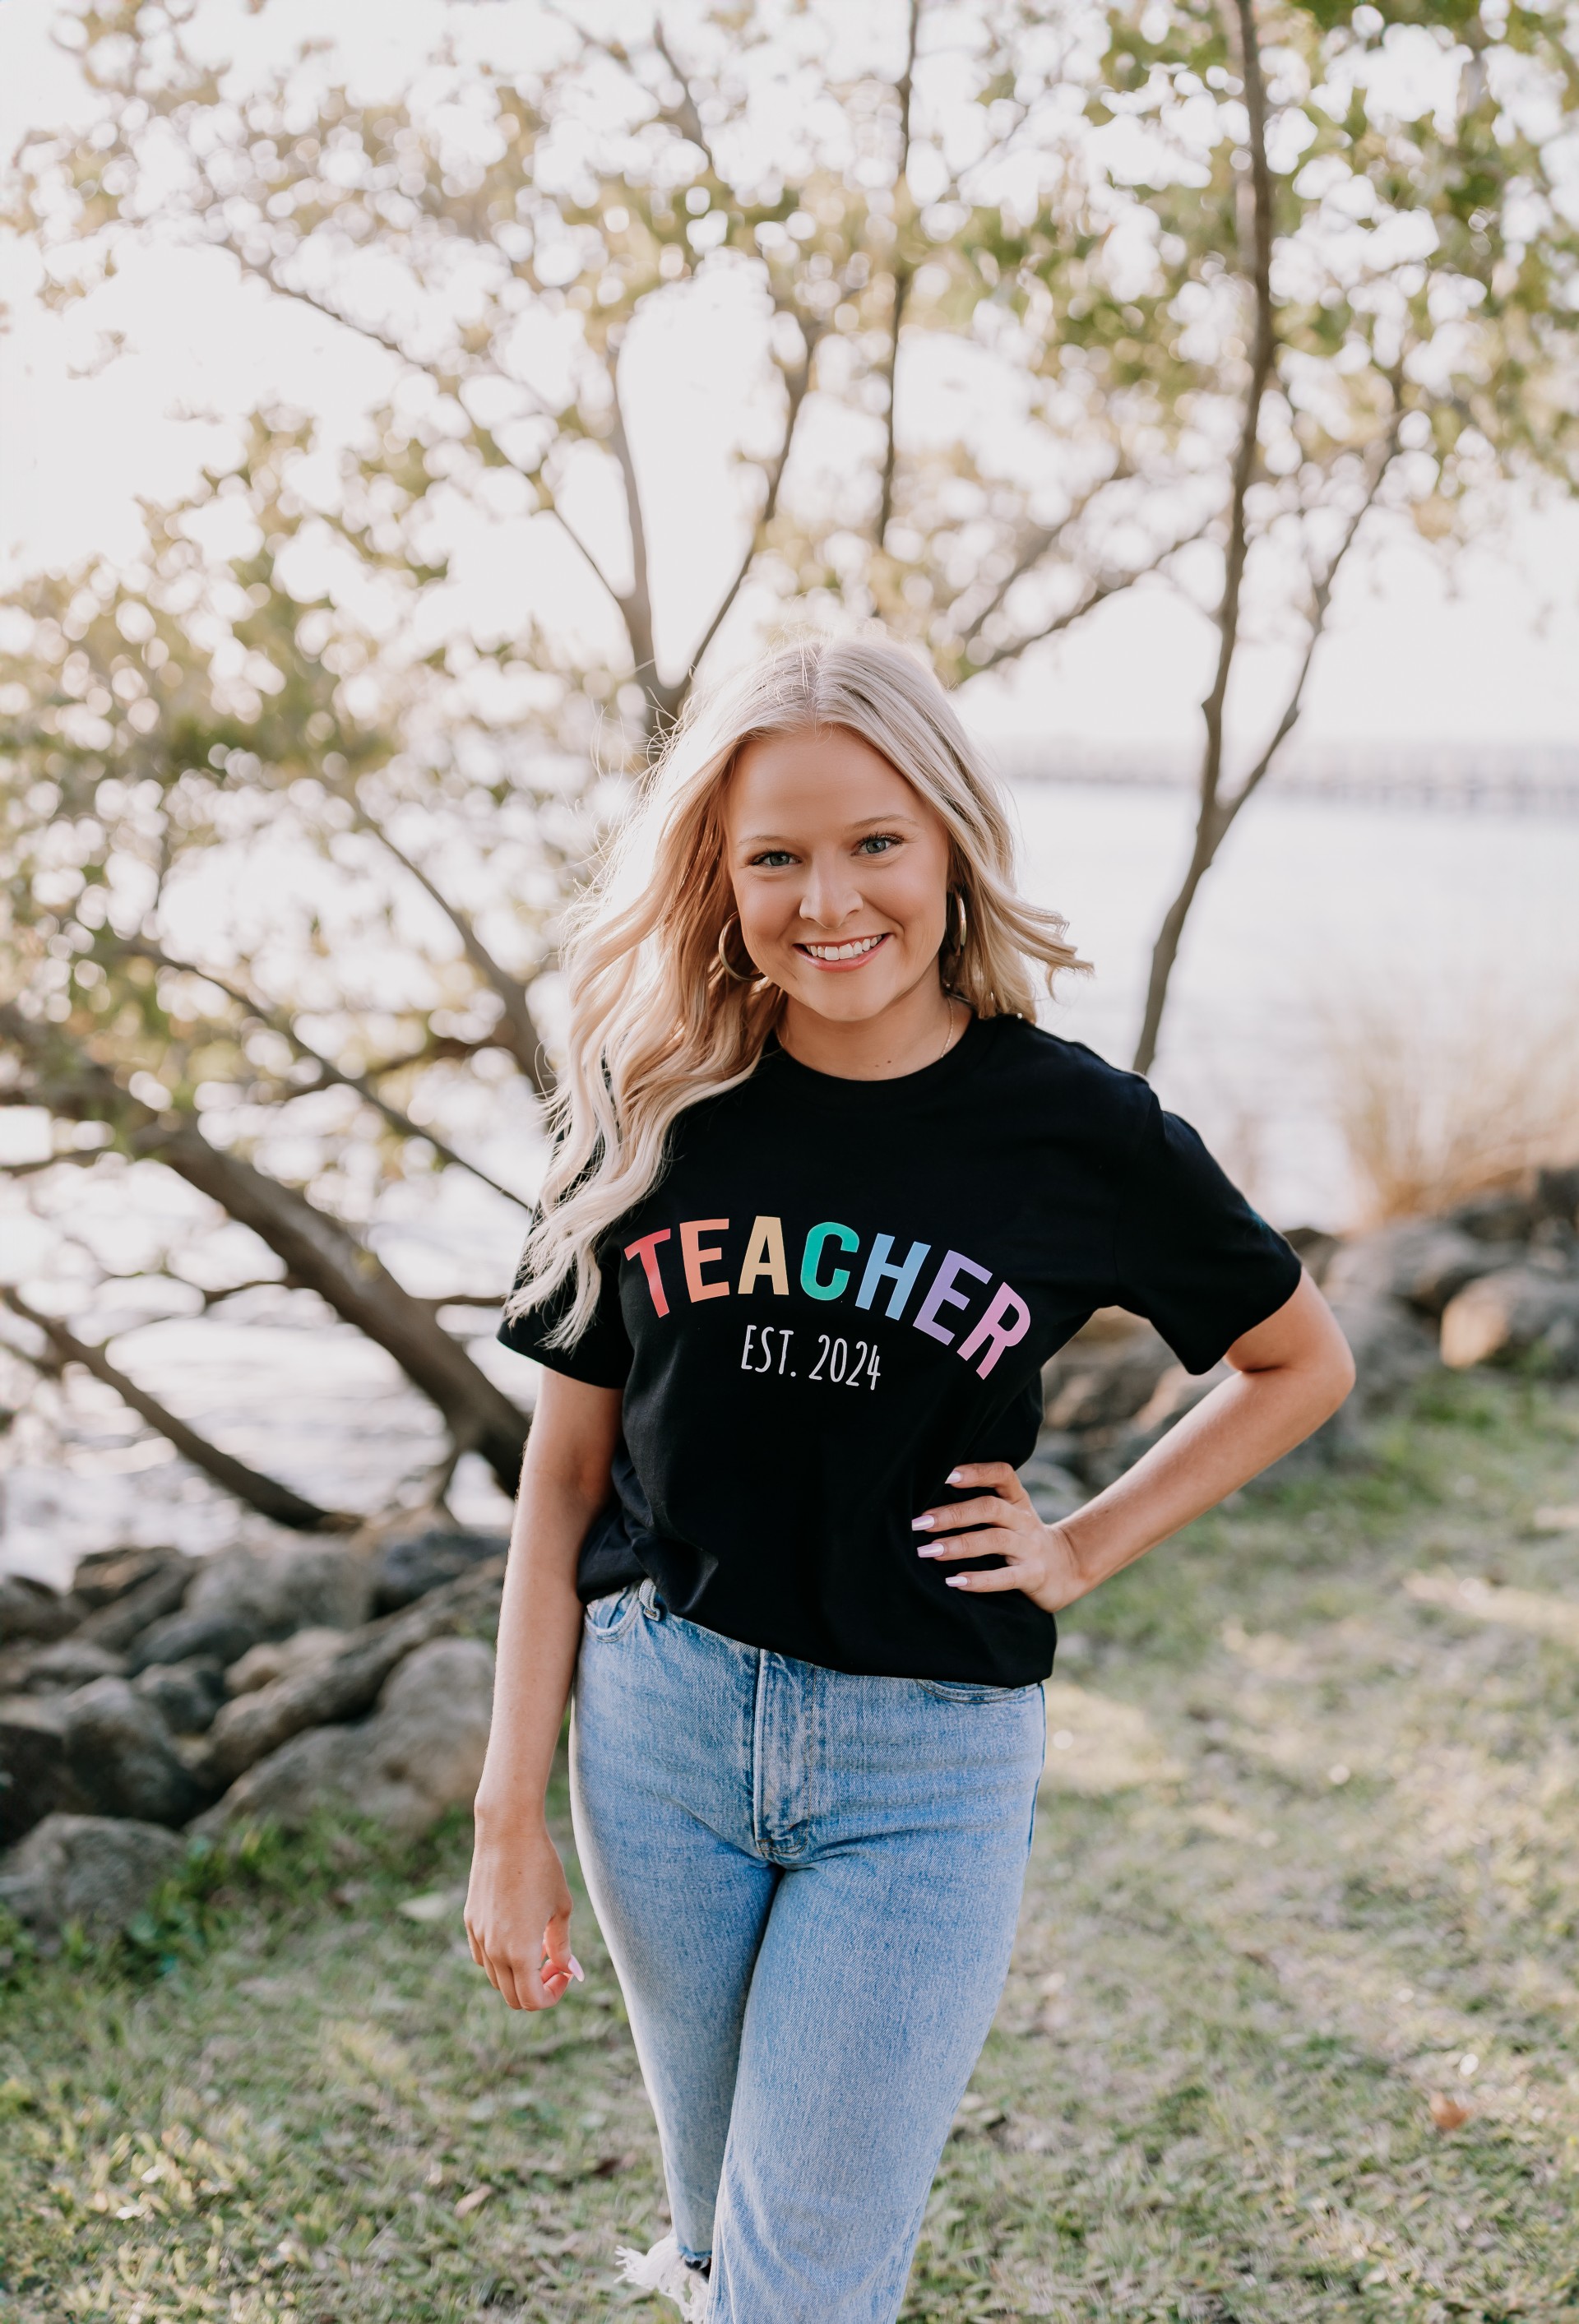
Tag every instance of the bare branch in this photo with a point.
(1097, 594)
(795, 382)
(524, 1041)
(1321, 600)
(278, 1022)
(265, 1494)
(1263, 351)
(902, 273)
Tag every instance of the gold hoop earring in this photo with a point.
(739, 976)
(953, 943)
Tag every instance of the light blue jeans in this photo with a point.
(809, 1882)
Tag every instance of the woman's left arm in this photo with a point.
(1291, 1373)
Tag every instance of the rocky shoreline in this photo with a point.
(163, 1696)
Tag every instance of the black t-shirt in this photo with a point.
(839, 1289)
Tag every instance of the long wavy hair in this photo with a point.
(656, 1023)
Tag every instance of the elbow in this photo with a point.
(1339, 1376)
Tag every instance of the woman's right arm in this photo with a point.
(518, 1906)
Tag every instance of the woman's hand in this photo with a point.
(1039, 1559)
(518, 1918)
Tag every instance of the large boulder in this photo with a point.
(408, 1568)
(274, 1659)
(106, 1576)
(419, 1753)
(123, 1616)
(186, 1695)
(70, 1663)
(1424, 1262)
(35, 1778)
(98, 1872)
(244, 1596)
(31, 1610)
(1519, 1311)
(120, 1754)
(1392, 1349)
(1105, 1373)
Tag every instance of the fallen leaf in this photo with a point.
(1446, 2113)
(472, 2202)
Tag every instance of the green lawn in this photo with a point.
(1307, 1857)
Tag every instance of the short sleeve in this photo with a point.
(1191, 1255)
(601, 1357)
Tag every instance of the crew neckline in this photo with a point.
(895, 1089)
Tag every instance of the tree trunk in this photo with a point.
(317, 1251)
(265, 1494)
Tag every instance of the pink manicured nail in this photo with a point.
(956, 1581)
(577, 1972)
(922, 1525)
(926, 1549)
(954, 1478)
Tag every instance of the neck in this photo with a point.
(913, 1032)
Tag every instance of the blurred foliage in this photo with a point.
(1042, 304)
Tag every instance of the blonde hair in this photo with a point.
(656, 1023)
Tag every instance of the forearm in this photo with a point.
(1241, 1428)
(540, 1631)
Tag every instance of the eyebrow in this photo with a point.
(867, 823)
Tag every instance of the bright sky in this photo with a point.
(1491, 653)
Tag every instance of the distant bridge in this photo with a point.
(1502, 779)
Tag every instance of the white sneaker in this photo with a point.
(664, 2270)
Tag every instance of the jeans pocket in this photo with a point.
(612, 1617)
(950, 1690)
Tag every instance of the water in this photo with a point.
(1312, 911)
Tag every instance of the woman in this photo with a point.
(824, 1202)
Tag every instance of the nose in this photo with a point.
(831, 894)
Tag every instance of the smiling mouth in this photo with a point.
(848, 954)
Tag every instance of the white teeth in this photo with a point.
(852, 951)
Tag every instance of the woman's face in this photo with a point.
(840, 873)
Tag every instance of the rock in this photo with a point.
(69, 1662)
(1421, 1261)
(1392, 1349)
(1054, 1492)
(1518, 1311)
(1506, 1216)
(255, 1724)
(419, 1753)
(406, 1570)
(186, 1695)
(261, 1666)
(120, 1754)
(214, 1635)
(36, 1780)
(30, 1609)
(107, 1575)
(125, 1617)
(97, 1871)
(243, 1597)
(1105, 1372)
(1315, 1248)
(1557, 1194)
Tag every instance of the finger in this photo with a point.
(997, 1474)
(557, 1941)
(996, 1542)
(952, 1514)
(993, 1577)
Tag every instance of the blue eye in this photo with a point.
(771, 858)
(877, 843)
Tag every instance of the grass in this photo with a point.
(1305, 1858)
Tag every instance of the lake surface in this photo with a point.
(1318, 919)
